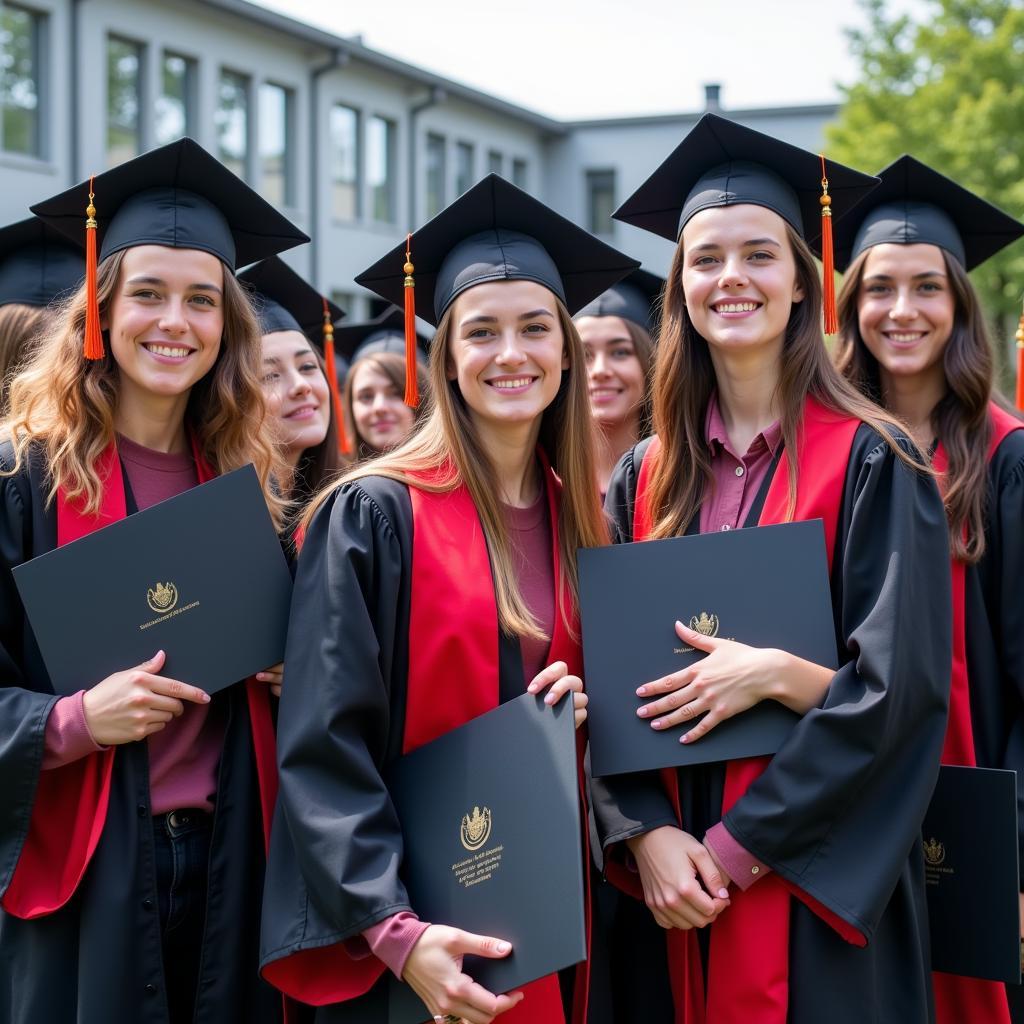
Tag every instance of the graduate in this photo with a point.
(377, 415)
(790, 888)
(37, 266)
(134, 813)
(300, 380)
(617, 329)
(912, 336)
(434, 583)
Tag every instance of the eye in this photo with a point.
(479, 333)
(308, 367)
(269, 378)
(876, 289)
(537, 329)
(762, 255)
(931, 287)
(145, 293)
(704, 261)
(622, 353)
(203, 300)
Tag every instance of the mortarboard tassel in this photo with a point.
(1020, 363)
(93, 344)
(828, 266)
(412, 391)
(344, 444)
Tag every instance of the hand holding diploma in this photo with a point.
(556, 679)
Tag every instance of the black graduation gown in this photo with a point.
(841, 805)
(332, 875)
(97, 960)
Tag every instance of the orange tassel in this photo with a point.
(1020, 363)
(412, 389)
(828, 266)
(344, 444)
(93, 342)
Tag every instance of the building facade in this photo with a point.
(353, 145)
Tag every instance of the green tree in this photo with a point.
(948, 88)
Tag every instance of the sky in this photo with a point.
(573, 59)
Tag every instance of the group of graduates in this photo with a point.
(166, 857)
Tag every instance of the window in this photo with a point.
(175, 106)
(380, 168)
(124, 100)
(344, 300)
(277, 179)
(231, 120)
(435, 174)
(343, 127)
(495, 162)
(21, 43)
(463, 166)
(519, 173)
(600, 201)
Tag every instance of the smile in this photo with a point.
(904, 337)
(176, 352)
(304, 412)
(735, 307)
(512, 383)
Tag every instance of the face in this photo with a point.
(165, 319)
(507, 351)
(906, 307)
(381, 416)
(296, 391)
(739, 277)
(614, 373)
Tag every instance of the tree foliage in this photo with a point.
(947, 86)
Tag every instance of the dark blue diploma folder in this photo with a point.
(766, 586)
(492, 843)
(969, 841)
(201, 576)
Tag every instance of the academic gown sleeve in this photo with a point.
(23, 712)
(336, 844)
(840, 805)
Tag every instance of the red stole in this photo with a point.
(748, 977)
(70, 805)
(453, 635)
(960, 999)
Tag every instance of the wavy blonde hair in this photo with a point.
(66, 405)
(447, 436)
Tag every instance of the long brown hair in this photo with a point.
(392, 366)
(319, 465)
(67, 405)
(20, 326)
(684, 380)
(448, 436)
(960, 419)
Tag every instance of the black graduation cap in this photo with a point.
(722, 163)
(384, 333)
(916, 204)
(634, 298)
(497, 232)
(284, 301)
(179, 196)
(37, 264)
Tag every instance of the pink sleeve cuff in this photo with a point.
(67, 737)
(392, 939)
(740, 865)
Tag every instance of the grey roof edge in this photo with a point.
(638, 120)
(355, 50)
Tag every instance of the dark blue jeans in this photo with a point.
(182, 844)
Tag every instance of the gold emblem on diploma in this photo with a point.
(707, 625)
(163, 597)
(476, 828)
(934, 852)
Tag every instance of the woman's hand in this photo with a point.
(131, 705)
(434, 970)
(273, 675)
(731, 679)
(672, 865)
(556, 679)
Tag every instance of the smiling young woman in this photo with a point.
(427, 635)
(912, 336)
(134, 812)
(782, 902)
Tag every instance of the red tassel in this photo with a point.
(412, 389)
(344, 444)
(828, 266)
(93, 342)
(1020, 363)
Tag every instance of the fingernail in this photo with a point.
(723, 894)
(642, 712)
(641, 691)
(532, 688)
(206, 698)
(261, 675)
(549, 699)
(503, 947)
(684, 739)
(656, 724)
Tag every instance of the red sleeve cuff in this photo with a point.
(67, 737)
(392, 939)
(740, 865)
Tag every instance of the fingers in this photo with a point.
(718, 713)
(677, 699)
(546, 677)
(154, 664)
(579, 703)
(567, 684)
(709, 873)
(275, 689)
(158, 703)
(478, 945)
(695, 639)
(177, 689)
(466, 999)
(668, 684)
